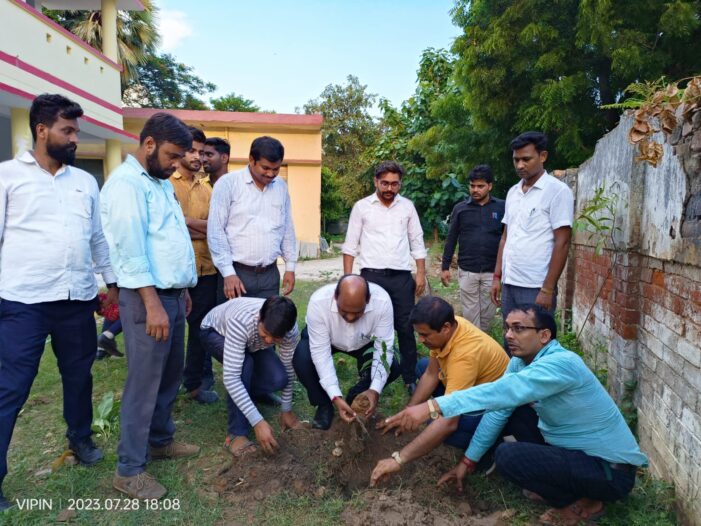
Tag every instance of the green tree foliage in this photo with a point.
(136, 33)
(537, 64)
(233, 102)
(163, 82)
(347, 133)
(332, 207)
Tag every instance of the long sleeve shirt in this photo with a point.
(384, 237)
(574, 410)
(50, 233)
(328, 329)
(249, 225)
(145, 228)
(476, 229)
(237, 321)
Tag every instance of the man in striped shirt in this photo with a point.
(241, 334)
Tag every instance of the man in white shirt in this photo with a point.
(385, 233)
(537, 230)
(50, 238)
(350, 317)
(250, 225)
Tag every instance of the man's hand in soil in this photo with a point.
(410, 418)
(264, 435)
(383, 471)
(457, 474)
(373, 397)
(386, 426)
(288, 420)
(344, 410)
(233, 287)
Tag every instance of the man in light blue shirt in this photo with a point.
(154, 261)
(589, 454)
(50, 238)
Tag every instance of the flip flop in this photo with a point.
(247, 448)
(532, 495)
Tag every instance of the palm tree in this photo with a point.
(136, 33)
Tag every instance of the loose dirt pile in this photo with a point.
(338, 463)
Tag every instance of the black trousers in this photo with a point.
(562, 476)
(204, 299)
(401, 288)
(258, 284)
(309, 378)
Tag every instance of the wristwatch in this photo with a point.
(111, 285)
(432, 410)
(398, 458)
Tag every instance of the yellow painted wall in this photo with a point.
(35, 42)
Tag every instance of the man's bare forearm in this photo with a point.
(429, 439)
(558, 258)
(348, 264)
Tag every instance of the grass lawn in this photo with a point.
(39, 439)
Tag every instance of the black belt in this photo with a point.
(169, 292)
(385, 271)
(257, 269)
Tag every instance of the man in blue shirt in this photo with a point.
(154, 261)
(589, 455)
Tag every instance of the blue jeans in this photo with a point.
(467, 425)
(115, 327)
(262, 373)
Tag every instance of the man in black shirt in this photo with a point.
(475, 225)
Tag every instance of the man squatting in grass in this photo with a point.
(585, 455)
(241, 334)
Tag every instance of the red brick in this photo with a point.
(629, 332)
(658, 278)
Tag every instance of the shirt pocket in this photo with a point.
(81, 208)
(535, 220)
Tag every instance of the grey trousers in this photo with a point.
(154, 372)
(476, 298)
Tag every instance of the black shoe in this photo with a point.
(323, 417)
(4, 503)
(410, 388)
(86, 451)
(270, 399)
(101, 354)
(207, 383)
(109, 345)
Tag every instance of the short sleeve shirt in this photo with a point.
(531, 219)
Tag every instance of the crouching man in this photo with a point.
(241, 334)
(589, 454)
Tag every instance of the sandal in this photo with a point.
(245, 449)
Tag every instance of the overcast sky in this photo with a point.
(281, 53)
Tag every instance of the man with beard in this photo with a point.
(385, 232)
(50, 237)
(476, 225)
(194, 193)
(155, 264)
(537, 229)
(215, 158)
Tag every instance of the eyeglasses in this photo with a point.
(518, 329)
(393, 184)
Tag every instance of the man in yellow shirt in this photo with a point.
(461, 356)
(194, 193)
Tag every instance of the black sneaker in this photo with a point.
(101, 354)
(207, 383)
(323, 417)
(86, 451)
(109, 345)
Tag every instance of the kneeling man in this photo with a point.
(589, 454)
(461, 356)
(351, 317)
(241, 334)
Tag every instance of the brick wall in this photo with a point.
(647, 316)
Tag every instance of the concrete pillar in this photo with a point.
(20, 131)
(109, 30)
(113, 156)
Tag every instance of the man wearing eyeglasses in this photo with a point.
(384, 233)
(587, 455)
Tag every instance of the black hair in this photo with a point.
(219, 144)
(387, 167)
(538, 139)
(481, 172)
(46, 109)
(197, 134)
(278, 315)
(543, 318)
(164, 127)
(433, 311)
(267, 148)
(367, 286)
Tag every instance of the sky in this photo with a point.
(282, 53)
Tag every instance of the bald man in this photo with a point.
(350, 317)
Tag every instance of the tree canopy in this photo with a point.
(233, 102)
